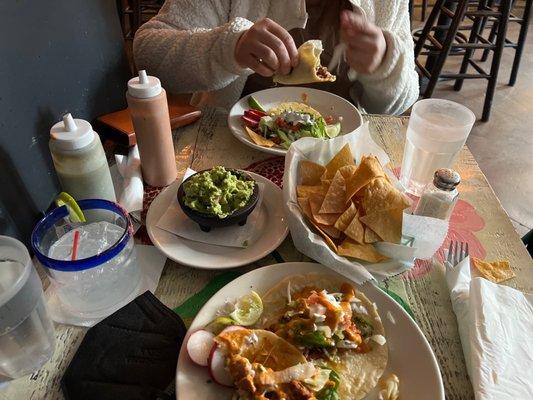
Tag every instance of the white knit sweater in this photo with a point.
(190, 46)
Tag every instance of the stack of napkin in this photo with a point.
(496, 327)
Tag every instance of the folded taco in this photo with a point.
(335, 326)
(308, 69)
(263, 365)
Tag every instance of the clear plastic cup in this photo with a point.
(27, 337)
(437, 131)
(104, 274)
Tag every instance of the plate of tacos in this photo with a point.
(270, 120)
(301, 331)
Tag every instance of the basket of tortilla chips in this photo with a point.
(346, 210)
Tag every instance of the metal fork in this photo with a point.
(457, 252)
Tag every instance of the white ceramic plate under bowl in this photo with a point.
(410, 356)
(271, 222)
(324, 102)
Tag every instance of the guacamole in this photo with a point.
(218, 192)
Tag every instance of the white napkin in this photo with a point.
(496, 326)
(151, 261)
(423, 236)
(129, 187)
(175, 221)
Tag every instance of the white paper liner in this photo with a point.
(423, 236)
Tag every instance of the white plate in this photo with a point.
(325, 103)
(202, 255)
(410, 356)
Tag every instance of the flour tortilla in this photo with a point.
(305, 72)
(359, 373)
(269, 349)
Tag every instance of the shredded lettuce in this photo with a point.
(330, 392)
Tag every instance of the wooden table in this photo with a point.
(478, 218)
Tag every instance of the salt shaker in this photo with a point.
(439, 197)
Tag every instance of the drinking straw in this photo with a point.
(75, 245)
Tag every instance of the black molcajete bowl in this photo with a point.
(208, 221)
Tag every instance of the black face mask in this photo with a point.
(130, 355)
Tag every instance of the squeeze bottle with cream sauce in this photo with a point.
(147, 102)
(80, 161)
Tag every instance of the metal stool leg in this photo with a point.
(505, 8)
(469, 52)
(437, 68)
(521, 41)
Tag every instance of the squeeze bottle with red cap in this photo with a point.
(147, 102)
(80, 161)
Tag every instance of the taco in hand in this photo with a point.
(334, 325)
(308, 69)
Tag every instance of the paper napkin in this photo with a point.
(495, 325)
(129, 186)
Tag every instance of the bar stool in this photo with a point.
(456, 43)
(523, 21)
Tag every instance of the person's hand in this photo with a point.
(366, 43)
(266, 48)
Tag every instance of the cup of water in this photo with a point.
(27, 337)
(92, 265)
(437, 131)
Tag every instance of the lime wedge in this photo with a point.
(254, 104)
(333, 130)
(218, 324)
(74, 211)
(248, 309)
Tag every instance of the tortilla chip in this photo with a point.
(366, 252)
(355, 230)
(386, 223)
(310, 172)
(303, 202)
(346, 217)
(258, 139)
(342, 158)
(347, 171)
(331, 231)
(328, 240)
(306, 191)
(315, 201)
(380, 195)
(371, 236)
(367, 170)
(334, 200)
(494, 271)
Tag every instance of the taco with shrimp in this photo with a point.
(335, 326)
(264, 366)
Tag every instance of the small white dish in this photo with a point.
(325, 103)
(410, 356)
(272, 224)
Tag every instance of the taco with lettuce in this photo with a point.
(286, 123)
(335, 327)
(308, 69)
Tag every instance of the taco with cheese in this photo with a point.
(308, 69)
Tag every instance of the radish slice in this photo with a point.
(217, 368)
(199, 346)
